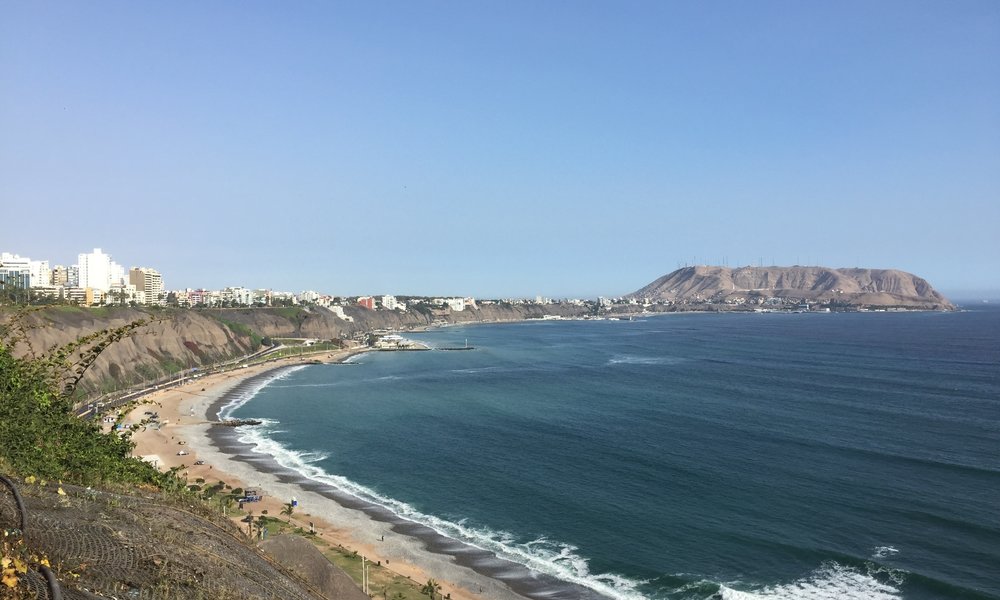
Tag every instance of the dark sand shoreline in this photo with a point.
(517, 577)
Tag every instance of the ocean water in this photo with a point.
(679, 456)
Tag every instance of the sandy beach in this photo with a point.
(186, 426)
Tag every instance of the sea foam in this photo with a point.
(631, 359)
(245, 395)
(557, 559)
(832, 581)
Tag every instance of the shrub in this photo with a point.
(39, 433)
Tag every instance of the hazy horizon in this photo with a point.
(501, 151)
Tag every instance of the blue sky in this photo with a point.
(501, 149)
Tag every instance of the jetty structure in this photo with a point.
(465, 347)
(394, 342)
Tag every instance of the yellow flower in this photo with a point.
(9, 580)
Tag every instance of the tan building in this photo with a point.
(60, 275)
(150, 282)
(93, 297)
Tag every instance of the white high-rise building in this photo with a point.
(19, 272)
(41, 274)
(13, 261)
(38, 270)
(96, 271)
(118, 276)
(15, 271)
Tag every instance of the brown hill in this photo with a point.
(856, 287)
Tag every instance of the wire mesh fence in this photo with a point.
(137, 547)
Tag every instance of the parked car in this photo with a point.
(182, 453)
(199, 462)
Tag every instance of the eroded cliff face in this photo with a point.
(170, 342)
(322, 323)
(179, 339)
(861, 287)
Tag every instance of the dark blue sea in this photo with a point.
(851, 455)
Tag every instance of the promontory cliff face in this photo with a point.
(754, 285)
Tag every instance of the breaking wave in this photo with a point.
(244, 392)
(631, 359)
(560, 560)
(832, 581)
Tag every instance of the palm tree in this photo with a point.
(261, 526)
(287, 509)
(430, 588)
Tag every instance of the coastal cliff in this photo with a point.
(317, 322)
(177, 340)
(172, 341)
(751, 285)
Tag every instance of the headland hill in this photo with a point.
(182, 360)
(742, 288)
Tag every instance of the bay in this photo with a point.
(683, 456)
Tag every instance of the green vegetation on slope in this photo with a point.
(41, 439)
(39, 434)
(243, 331)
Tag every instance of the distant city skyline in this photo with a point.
(150, 281)
(504, 150)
